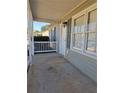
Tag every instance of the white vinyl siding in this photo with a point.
(85, 64)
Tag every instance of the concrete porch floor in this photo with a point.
(51, 73)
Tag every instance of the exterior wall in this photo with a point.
(37, 34)
(30, 33)
(45, 33)
(57, 36)
(62, 38)
(84, 63)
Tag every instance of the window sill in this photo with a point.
(85, 53)
(90, 54)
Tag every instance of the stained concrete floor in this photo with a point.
(51, 73)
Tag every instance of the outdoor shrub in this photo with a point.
(41, 38)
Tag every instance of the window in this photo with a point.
(84, 33)
(91, 32)
(78, 32)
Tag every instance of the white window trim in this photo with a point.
(89, 9)
(77, 49)
(72, 32)
(83, 50)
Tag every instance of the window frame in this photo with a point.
(82, 13)
(83, 50)
(88, 10)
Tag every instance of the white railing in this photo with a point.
(45, 46)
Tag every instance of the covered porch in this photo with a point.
(72, 66)
(52, 73)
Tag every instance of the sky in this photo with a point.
(38, 25)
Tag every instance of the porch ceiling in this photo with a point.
(52, 10)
